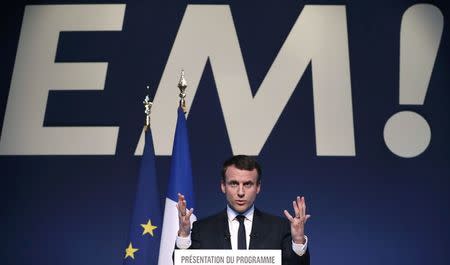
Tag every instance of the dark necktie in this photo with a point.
(242, 242)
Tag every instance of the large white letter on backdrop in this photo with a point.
(318, 36)
(35, 73)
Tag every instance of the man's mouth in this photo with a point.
(240, 202)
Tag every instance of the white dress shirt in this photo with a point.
(233, 225)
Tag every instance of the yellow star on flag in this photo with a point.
(148, 228)
(130, 251)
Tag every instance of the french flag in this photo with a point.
(180, 181)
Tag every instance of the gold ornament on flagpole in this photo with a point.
(182, 84)
(148, 109)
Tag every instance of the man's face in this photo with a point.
(240, 188)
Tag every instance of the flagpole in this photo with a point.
(180, 180)
(143, 244)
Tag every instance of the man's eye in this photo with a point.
(233, 184)
(248, 185)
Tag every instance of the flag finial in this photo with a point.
(182, 84)
(148, 109)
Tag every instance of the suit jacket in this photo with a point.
(268, 232)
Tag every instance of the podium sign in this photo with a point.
(227, 256)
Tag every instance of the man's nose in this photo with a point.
(241, 192)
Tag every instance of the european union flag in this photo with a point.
(180, 181)
(145, 232)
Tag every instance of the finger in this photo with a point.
(306, 218)
(180, 197)
(181, 204)
(183, 207)
(180, 214)
(304, 206)
(189, 213)
(300, 207)
(288, 216)
(296, 210)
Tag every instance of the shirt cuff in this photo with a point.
(299, 249)
(183, 242)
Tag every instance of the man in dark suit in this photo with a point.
(241, 225)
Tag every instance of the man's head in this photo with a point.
(241, 182)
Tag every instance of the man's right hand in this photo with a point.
(184, 217)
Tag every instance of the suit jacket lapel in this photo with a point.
(257, 229)
(224, 231)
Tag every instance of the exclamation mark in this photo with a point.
(407, 134)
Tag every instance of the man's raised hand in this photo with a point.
(298, 221)
(184, 216)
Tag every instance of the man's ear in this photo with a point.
(222, 186)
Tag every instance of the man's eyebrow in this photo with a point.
(248, 182)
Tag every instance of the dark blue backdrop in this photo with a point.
(373, 208)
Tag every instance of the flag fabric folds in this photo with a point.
(142, 247)
(180, 181)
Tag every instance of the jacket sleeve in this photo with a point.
(289, 257)
(195, 237)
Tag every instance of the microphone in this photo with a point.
(227, 235)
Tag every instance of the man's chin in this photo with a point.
(240, 208)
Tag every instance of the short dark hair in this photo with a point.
(242, 162)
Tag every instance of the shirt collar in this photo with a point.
(248, 214)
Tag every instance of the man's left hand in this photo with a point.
(298, 221)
